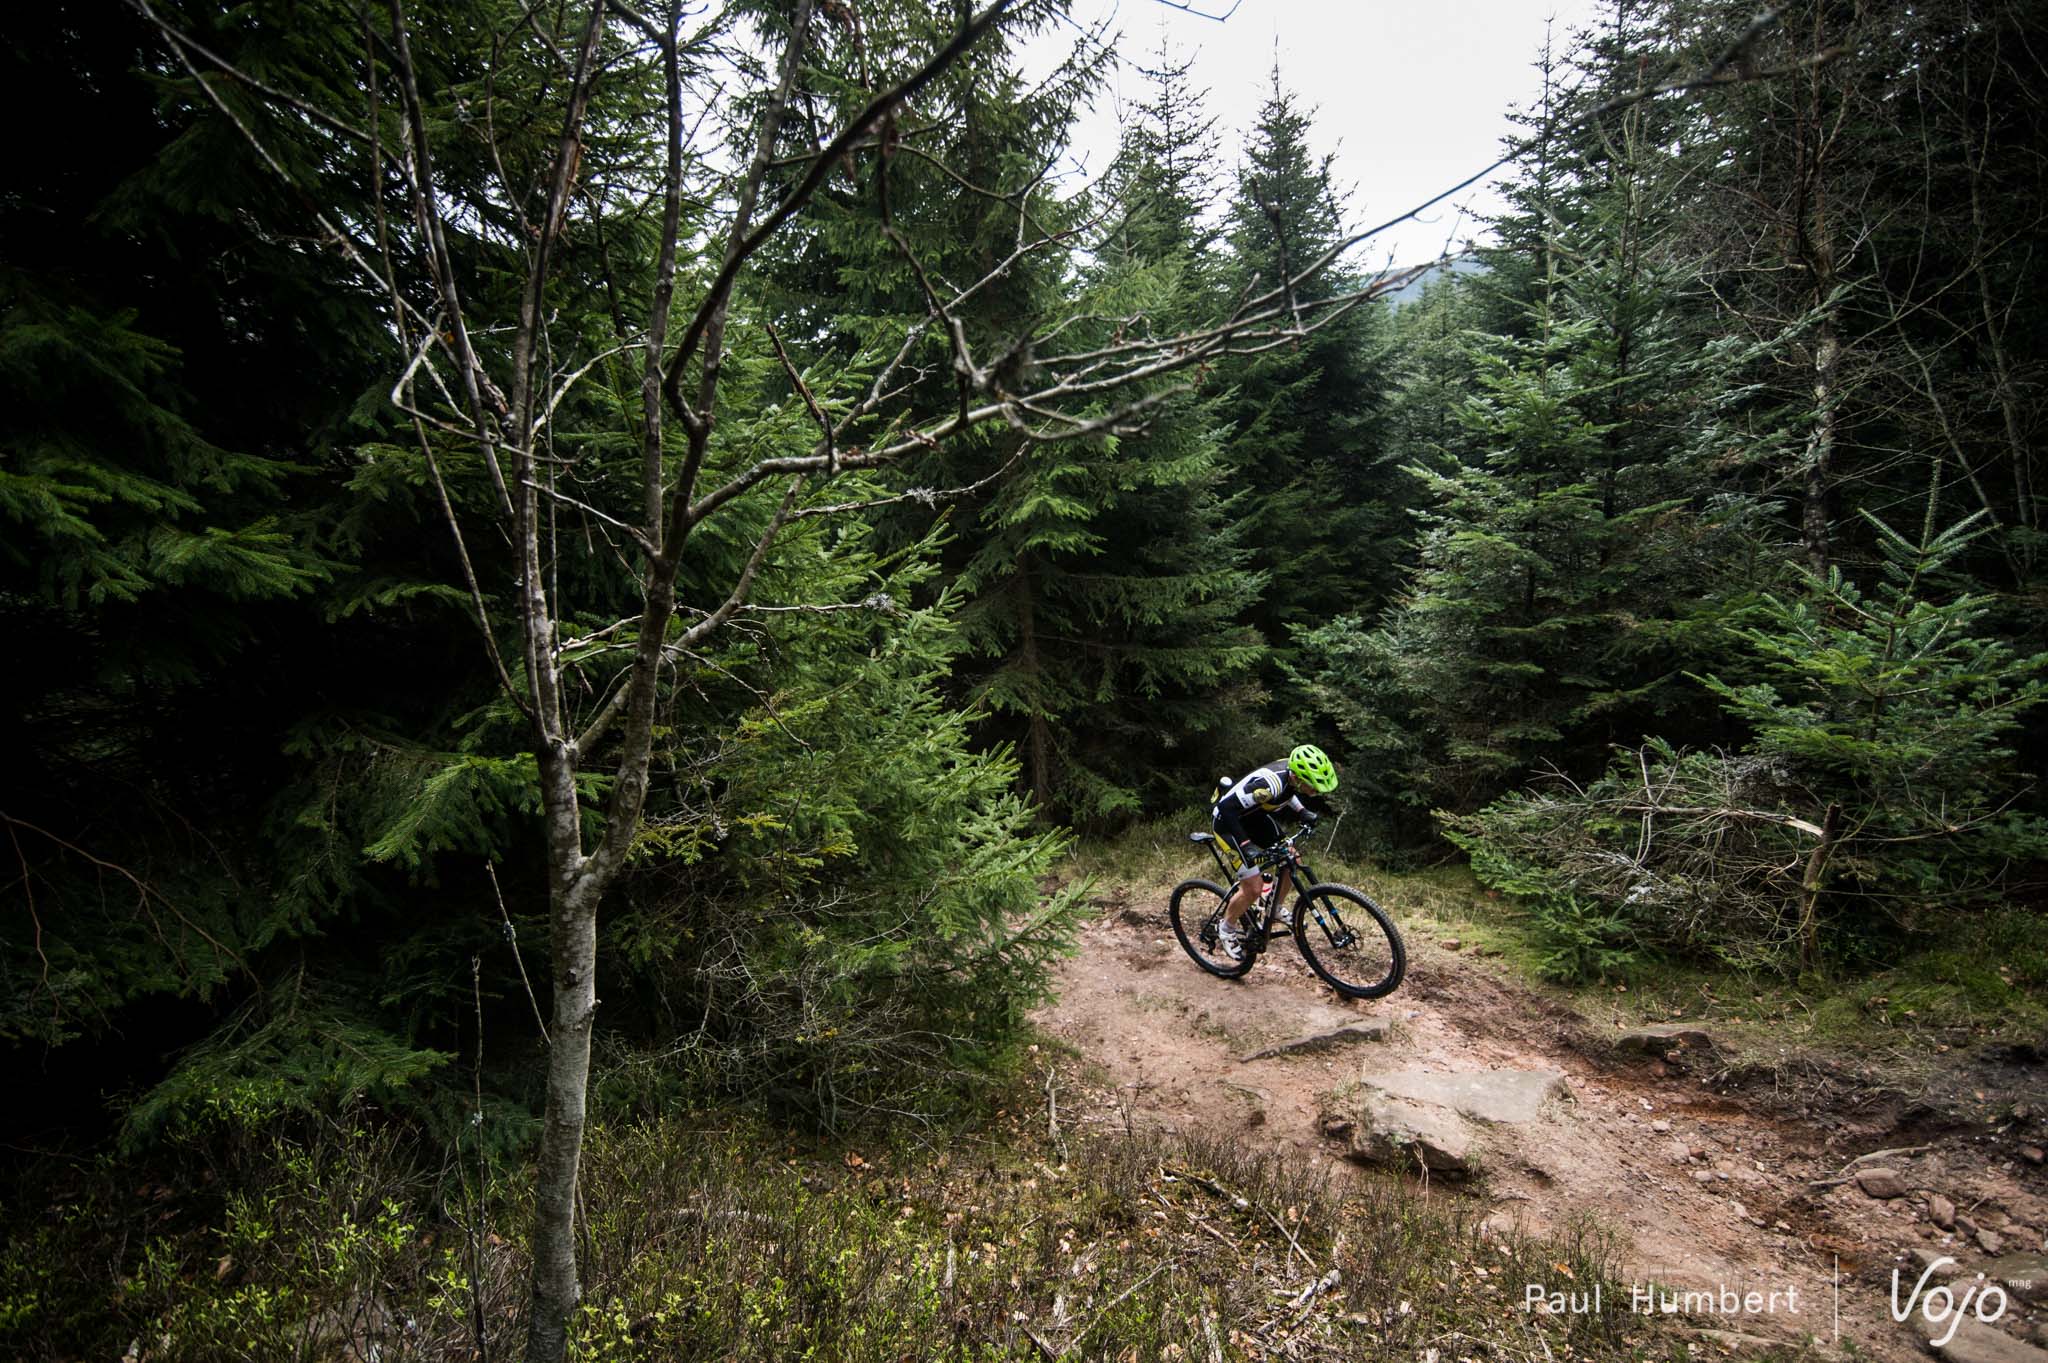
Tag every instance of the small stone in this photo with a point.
(1781, 1227)
(1881, 1183)
(1941, 1212)
(1660, 1126)
(1696, 1151)
(1990, 1241)
(1703, 1176)
(1721, 1175)
(1452, 944)
(1659, 1070)
(1965, 1225)
(1928, 1259)
(1740, 1210)
(2033, 1154)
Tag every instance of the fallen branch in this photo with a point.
(1847, 1174)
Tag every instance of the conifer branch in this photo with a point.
(146, 893)
(745, 243)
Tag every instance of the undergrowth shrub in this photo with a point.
(329, 1242)
(741, 1242)
(1877, 796)
(843, 915)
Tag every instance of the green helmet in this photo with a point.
(1313, 768)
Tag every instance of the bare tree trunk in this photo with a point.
(1812, 883)
(557, 1288)
(2001, 370)
(1820, 450)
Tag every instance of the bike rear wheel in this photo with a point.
(1196, 909)
(1349, 941)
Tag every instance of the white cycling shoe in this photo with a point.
(1230, 939)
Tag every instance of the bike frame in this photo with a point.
(1276, 856)
(1318, 915)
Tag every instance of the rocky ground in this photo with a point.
(1785, 1192)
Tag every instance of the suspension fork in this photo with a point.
(1303, 878)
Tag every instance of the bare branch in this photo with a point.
(270, 92)
(565, 499)
(1186, 8)
(810, 399)
(923, 496)
(696, 633)
(420, 178)
(821, 166)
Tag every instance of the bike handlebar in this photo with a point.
(1284, 850)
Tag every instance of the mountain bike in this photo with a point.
(1345, 937)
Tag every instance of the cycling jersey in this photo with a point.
(1266, 789)
(1243, 813)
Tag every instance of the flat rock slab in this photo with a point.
(1664, 1037)
(1882, 1183)
(1403, 1134)
(1979, 1343)
(2025, 1275)
(1482, 1095)
(1369, 1029)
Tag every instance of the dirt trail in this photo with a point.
(1703, 1191)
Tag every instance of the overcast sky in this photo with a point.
(1410, 95)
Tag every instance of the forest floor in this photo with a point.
(1727, 1161)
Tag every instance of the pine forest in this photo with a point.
(622, 611)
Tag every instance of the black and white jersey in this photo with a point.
(1263, 789)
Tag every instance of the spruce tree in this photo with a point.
(1564, 551)
(1107, 581)
(1308, 440)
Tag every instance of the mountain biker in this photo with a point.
(1244, 818)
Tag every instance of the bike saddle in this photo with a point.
(1201, 837)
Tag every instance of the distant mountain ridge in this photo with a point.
(1412, 290)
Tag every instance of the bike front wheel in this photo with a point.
(1196, 910)
(1349, 941)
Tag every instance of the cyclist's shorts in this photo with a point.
(1247, 832)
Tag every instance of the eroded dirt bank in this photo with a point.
(1712, 1171)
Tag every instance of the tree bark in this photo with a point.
(557, 1288)
(1811, 885)
(1820, 450)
